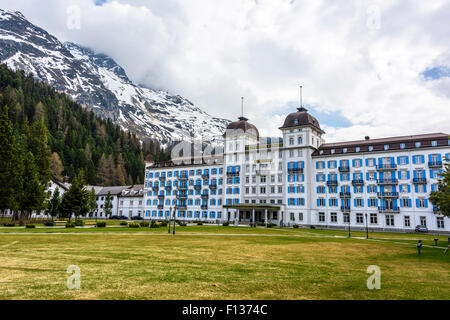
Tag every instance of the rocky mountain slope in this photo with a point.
(97, 81)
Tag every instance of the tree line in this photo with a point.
(45, 135)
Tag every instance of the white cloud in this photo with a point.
(363, 60)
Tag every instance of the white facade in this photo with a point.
(299, 179)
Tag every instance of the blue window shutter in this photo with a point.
(401, 204)
(414, 159)
(417, 203)
(368, 202)
(424, 188)
(409, 203)
(407, 159)
(398, 159)
(426, 203)
(392, 160)
(424, 173)
(408, 174)
(367, 176)
(415, 173)
(439, 157)
(416, 188)
(376, 202)
(432, 187)
(317, 202)
(367, 162)
(380, 161)
(409, 188)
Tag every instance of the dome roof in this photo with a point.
(301, 118)
(243, 125)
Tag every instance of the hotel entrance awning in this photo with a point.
(249, 206)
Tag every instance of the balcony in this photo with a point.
(182, 196)
(387, 167)
(344, 169)
(262, 172)
(388, 210)
(435, 164)
(168, 188)
(205, 196)
(160, 206)
(161, 196)
(205, 176)
(345, 194)
(181, 207)
(387, 181)
(183, 177)
(213, 186)
(162, 179)
(345, 209)
(233, 173)
(197, 187)
(204, 207)
(358, 182)
(420, 180)
(183, 187)
(332, 183)
(155, 187)
(387, 194)
(295, 170)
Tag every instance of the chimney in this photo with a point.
(367, 137)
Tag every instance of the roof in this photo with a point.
(133, 191)
(189, 162)
(379, 144)
(113, 190)
(241, 126)
(301, 118)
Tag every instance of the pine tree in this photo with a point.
(33, 192)
(57, 167)
(38, 143)
(108, 204)
(54, 203)
(9, 177)
(441, 197)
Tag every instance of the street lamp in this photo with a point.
(170, 217)
(367, 228)
(349, 234)
(174, 221)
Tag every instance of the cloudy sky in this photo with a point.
(377, 68)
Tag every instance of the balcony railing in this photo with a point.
(345, 209)
(181, 196)
(181, 207)
(295, 170)
(161, 196)
(388, 210)
(420, 180)
(213, 186)
(262, 172)
(344, 169)
(205, 176)
(387, 194)
(435, 164)
(358, 182)
(386, 167)
(183, 187)
(205, 196)
(233, 173)
(387, 181)
(204, 207)
(332, 183)
(162, 178)
(197, 186)
(160, 206)
(345, 194)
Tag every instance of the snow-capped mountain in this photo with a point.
(97, 81)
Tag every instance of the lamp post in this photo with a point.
(174, 221)
(170, 218)
(349, 234)
(367, 228)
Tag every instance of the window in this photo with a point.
(359, 202)
(405, 202)
(386, 147)
(321, 216)
(291, 141)
(321, 165)
(300, 216)
(371, 162)
(344, 150)
(300, 140)
(370, 148)
(417, 144)
(333, 217)
(434, 143)
(332, 151)
(346, 217)
(440, 222)
(292, 216)
(407, 221)
(357, 149)
(403, 160)
(373, 218)
(423, 221)
(390, 220)
(402, 146)
(359, 218)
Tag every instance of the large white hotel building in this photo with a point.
(300, 179)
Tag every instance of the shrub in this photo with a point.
(163, 223)
(295, 226)
(145, 223)
(226, 224)
(9, 224)
(21, 223)
(134, 225)
(70, 225)
(101, 224)
(79, 223)
(271, 225)
(154, 225)
(30, 226)
(199, 223)
(312, 227)
(123, 223)
(49, 223)
(183, 224)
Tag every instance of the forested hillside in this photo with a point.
(77, 138)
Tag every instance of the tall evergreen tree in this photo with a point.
(9, 177)
(54, 203)
(38, 144)
(33, 192)
(441, 197)
(108, 204)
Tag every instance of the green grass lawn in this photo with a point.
(210, 262)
